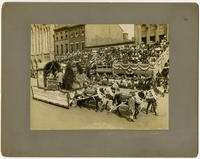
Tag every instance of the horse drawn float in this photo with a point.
(47, 88)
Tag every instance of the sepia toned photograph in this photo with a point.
(99, 77)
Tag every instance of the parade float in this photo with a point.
(47, 87)
(73, 91)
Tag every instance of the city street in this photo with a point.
(84, 57)
(46, 116)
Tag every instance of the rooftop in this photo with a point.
(65, 26)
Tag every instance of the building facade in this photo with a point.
(150, 32)
(42, 44)
(104, 34)
(68, 38)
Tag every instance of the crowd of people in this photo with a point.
(131, 54)
(138, 53)
(143, 89)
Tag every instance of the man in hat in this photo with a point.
(151, 99)
(115, 85)
(109, 92)
(101, 98)
(138, 100)
(117, 100)
(131, 104)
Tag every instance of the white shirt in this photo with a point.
(151, 94)
(109, 91)
(138, 99)
(100, 95)
(60, 77)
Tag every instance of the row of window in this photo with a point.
(152, 38)
(65, 35)
(62, 49)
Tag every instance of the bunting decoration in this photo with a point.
(132, 68)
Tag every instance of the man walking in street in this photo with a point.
(151, 99)
(131, 104)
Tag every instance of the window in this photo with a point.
(144, 39)
(72, 35)
(56, 37)
(161, 37)
(72, 47)
(57, 49)
(82, 45)
(152, 38)
(66, 48)
(61, 47)
(66, 36)
(76, 33)
(82, 32)
(61, 37)
(77, 47)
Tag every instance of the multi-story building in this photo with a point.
(68, 38)
(42, 44)
(150, 32)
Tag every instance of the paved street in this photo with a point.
(46, 116)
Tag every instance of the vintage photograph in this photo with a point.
(99, 77)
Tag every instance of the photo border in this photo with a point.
(181, 140)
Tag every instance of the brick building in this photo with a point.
(68, 38)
